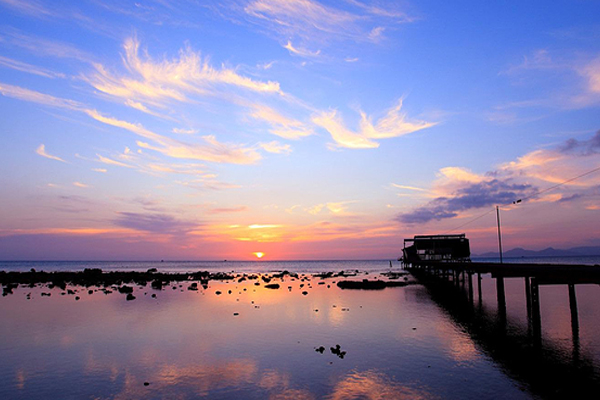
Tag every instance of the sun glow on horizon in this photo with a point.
(259, 254)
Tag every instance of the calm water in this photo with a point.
(406, 342)
(254, 266)
(213, 266)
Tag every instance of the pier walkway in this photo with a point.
(534, 275)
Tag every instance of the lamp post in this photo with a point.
(499, 234)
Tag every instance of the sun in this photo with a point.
(259, 254)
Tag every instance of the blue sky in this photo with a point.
(301, 129)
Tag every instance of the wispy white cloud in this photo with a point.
(110, 161)
(183, 169)
(592, 73)
(418, 189)
(301, 51)
(311, 21)
(376, 33)
(20, 93)
(30, 69)
(207, 182)
(575, 82)
(41, 150)
(282, 126)
(393, 124)
(182, 131)
(141, 107)
(170, 80)
(339, 208)
(210, 150)
(81, 185)
(266, 65)
(343, 136)
(28, 7)
(276, 147)
(39, 46)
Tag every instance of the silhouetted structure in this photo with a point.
(436, 248)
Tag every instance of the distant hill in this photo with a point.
(549, 252)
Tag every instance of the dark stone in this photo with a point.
(130, 297)
(146, 383)
(218, 292)
(8, 289)
(153, 295)
(156, 284)
(369, 285)
(126, 289)
(272, 286)
(305, 293)
(338, 351)
(320, 349)
(76, 297)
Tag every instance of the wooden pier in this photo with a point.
(534, 276)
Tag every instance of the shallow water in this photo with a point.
(400, 342)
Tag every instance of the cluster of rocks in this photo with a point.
(123, 281)
(334, 350)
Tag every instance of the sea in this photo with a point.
(259, 266)
(306, 339)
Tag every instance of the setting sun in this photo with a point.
(259, 254)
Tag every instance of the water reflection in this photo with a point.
(546, 364)
(373, 385)
(252, 343)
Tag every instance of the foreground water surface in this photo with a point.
(253, 342)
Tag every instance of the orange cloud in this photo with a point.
(393, 124)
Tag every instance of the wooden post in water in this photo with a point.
(479, 288)
(470, 287)
(528, 297)
(535, 310)
(574, 313)
(501, 295)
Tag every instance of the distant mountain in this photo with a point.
(549, 252)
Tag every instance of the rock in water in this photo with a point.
(272, 286)
(369, 285)
(126, 289)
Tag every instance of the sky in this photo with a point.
(301, 129)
